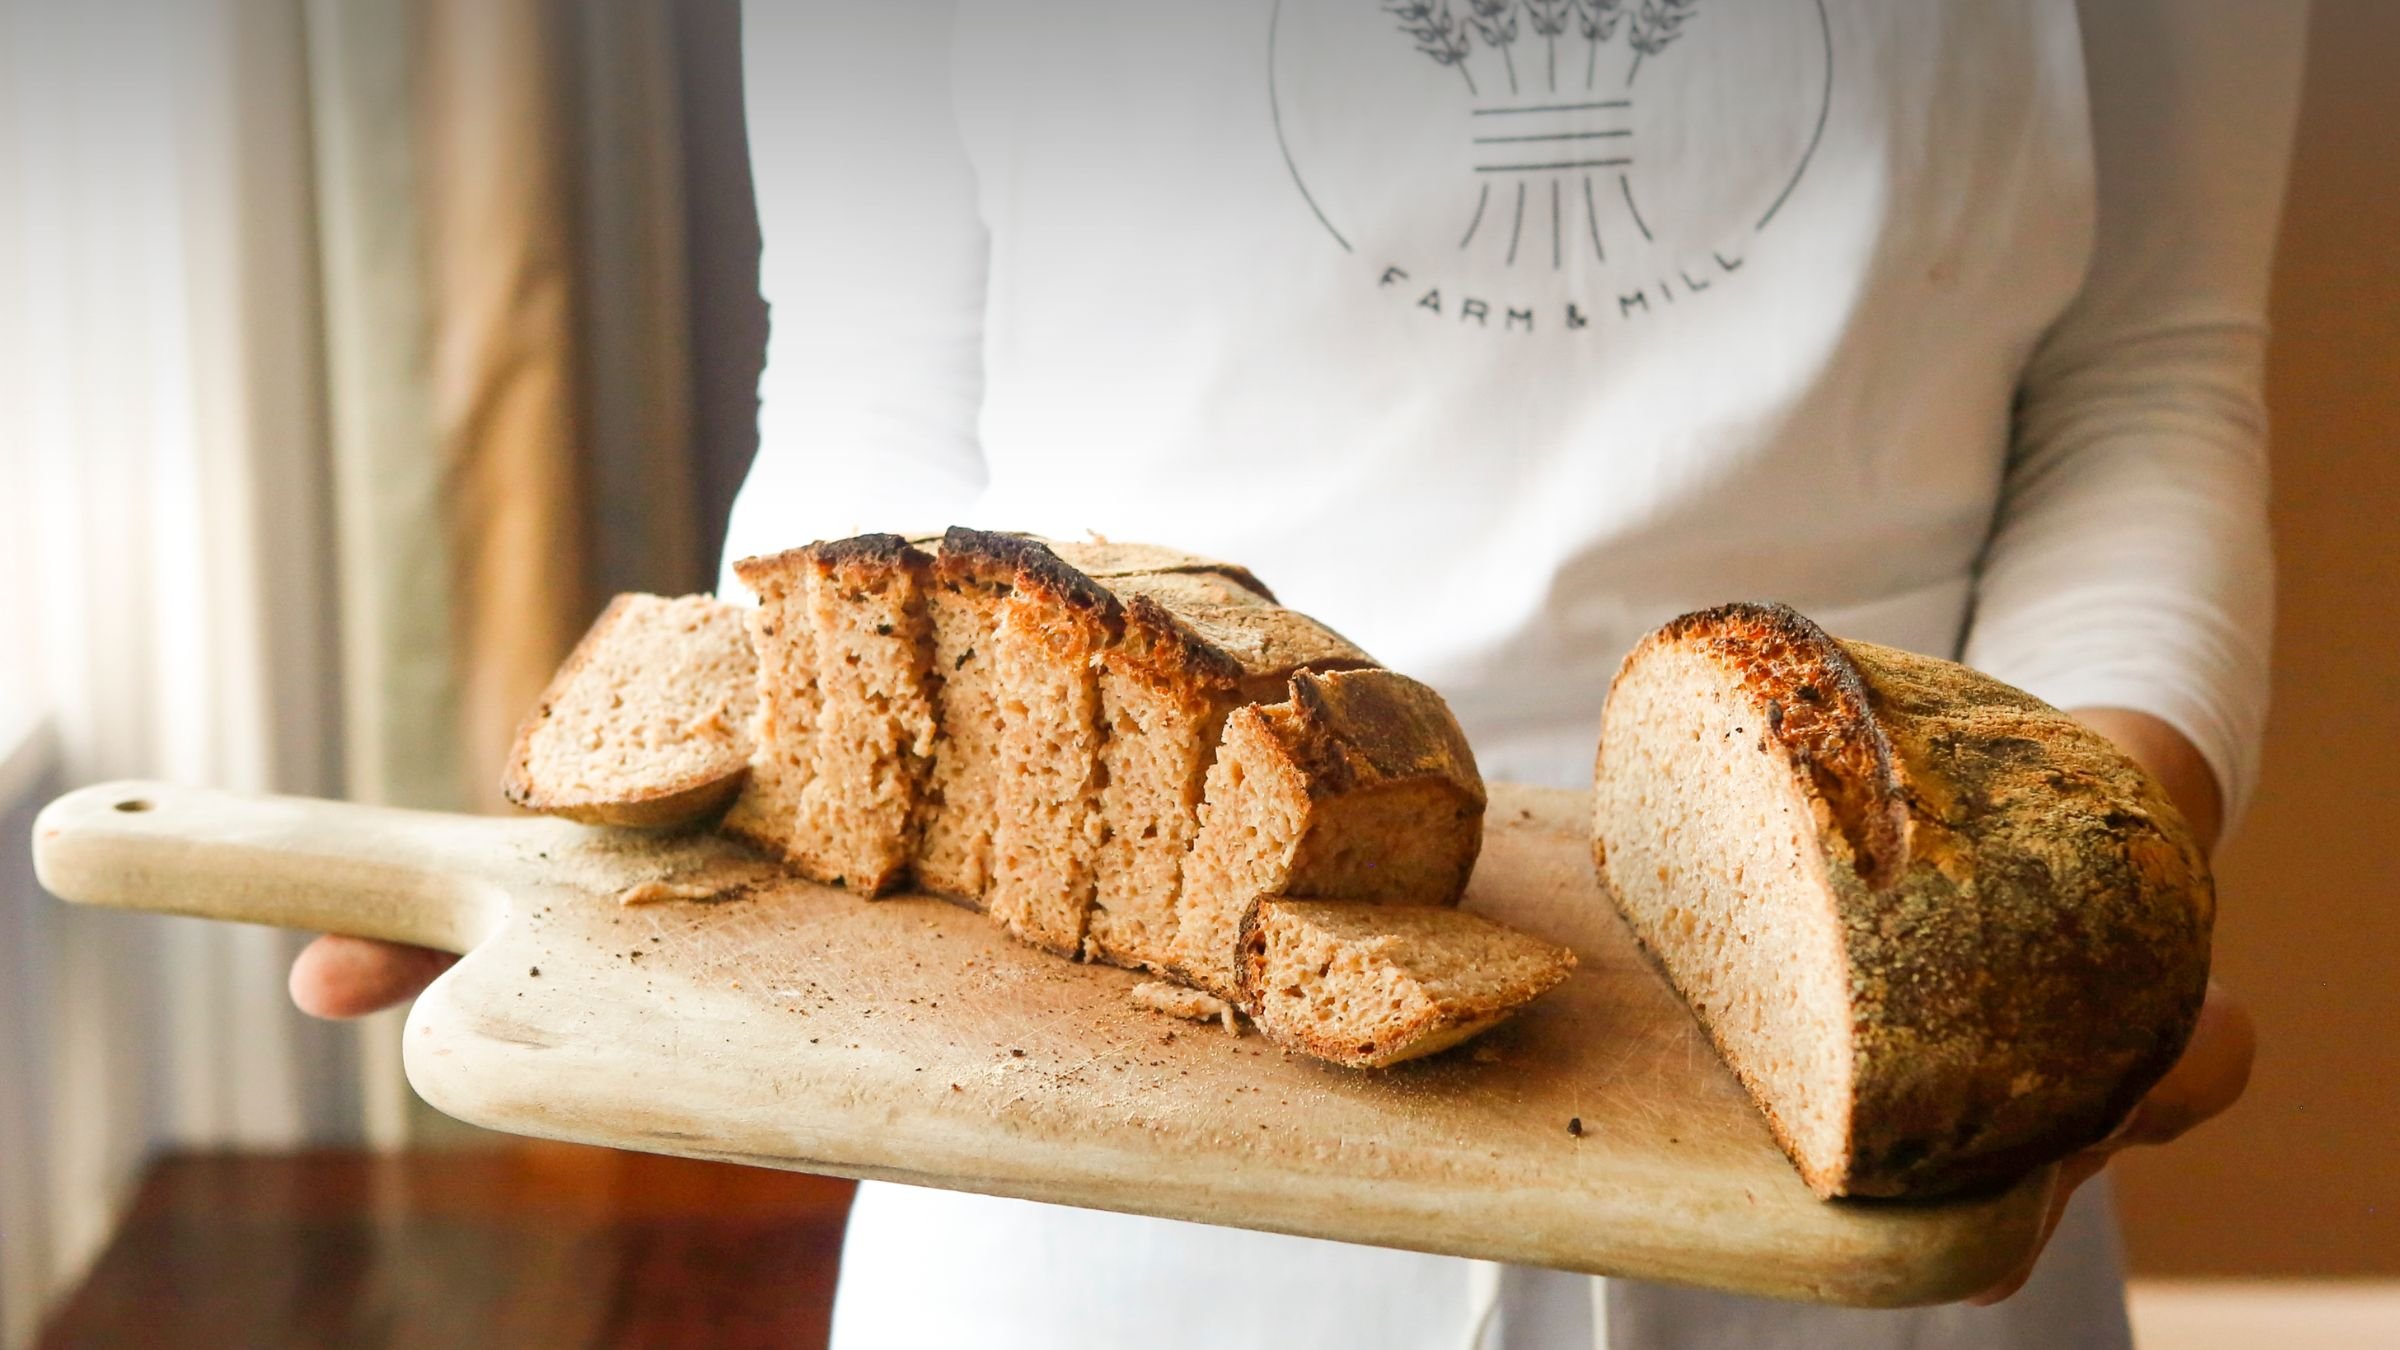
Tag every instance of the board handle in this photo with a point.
(290, 862)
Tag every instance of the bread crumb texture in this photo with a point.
(649, 721)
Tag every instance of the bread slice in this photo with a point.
(1053, 627)
(1359, 787)
(847, 723)
(648, 721)
(1941, 931)
(972, 576)
(784, 726)
(1369, 986)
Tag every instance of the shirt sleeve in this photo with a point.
(873, 266)
(2130, 564)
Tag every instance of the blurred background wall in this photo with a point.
(2303, 1177)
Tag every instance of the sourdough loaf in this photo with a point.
(1941, 931)
(1082, 740)
(1369, 986)
(1360, 786)
(648, 721)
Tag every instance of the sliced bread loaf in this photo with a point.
(1941, 931)
(648, 721)
(1372, 985)
(1359, 787)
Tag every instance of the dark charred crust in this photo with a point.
(1820, 711)
(866, 553)
(1033, 568)
(975, 558)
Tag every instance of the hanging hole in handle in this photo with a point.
(133, 804)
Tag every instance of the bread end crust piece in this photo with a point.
(2021, 917)
(1370, 986)
(666, 774)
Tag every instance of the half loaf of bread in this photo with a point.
(1371, 985)
(648, 723)
(1941, 931)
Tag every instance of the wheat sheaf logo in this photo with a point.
(1527, 164)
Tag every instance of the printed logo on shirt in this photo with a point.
(1548, 166)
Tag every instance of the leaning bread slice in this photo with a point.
(1941, 932)
(648, 722)
(1053, 626)
(1372, 985)
(973, 573)
(1359, 787)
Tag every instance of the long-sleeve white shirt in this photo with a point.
(1494, 332)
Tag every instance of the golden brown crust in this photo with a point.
(1105, 560)
(1232, 628)
(1816, 707)
(667, 806)
(2025, 917)
(1348, 730)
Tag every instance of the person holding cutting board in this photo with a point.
(1495, 334)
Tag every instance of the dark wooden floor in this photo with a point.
(539, 1245)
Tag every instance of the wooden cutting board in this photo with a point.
(791, 1025)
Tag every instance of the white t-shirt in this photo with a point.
(1494, 332)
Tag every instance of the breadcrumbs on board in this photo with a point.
(655, 892)
(1189, 1004)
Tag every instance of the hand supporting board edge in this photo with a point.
(903, 1039)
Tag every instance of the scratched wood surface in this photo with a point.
(790, 1025)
